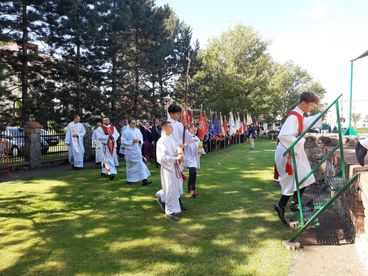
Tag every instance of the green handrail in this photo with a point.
(311, 125)
(325, 206)
(327, 156)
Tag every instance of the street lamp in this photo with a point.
(350, 130)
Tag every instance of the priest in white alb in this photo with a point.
(107, 134)
(75, 132)
(132, 140)
(96, 144)
(169, 159)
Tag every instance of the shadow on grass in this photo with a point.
(90, 225)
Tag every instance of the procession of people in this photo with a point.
(173, 145)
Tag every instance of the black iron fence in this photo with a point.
(13, 140)
(56, 148)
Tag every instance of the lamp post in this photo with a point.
(350, 131)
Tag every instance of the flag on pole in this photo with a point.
(211, 131)
(232, 125)
(238, 124)
(241, 130)
(203, 128)
(249, 119)
(225, 126)
(222, 127)
(216, 128)
(183, 117)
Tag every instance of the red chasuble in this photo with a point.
(110, 142)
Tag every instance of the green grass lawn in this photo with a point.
(79, 223)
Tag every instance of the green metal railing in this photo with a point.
(327, 156)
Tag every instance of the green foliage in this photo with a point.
(112, 57)
(239, 74)
(79, 223)
(356, 117)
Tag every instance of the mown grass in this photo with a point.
(79, 223)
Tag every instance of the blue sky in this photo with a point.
(320, 35)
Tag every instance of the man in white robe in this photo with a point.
(169, 159)
(290, 130)
(108, 135)
(136, 169)
(124, 126)
(75, 132)
(177, 134)
(361, 149)
(96, 144)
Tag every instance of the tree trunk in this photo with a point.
(113, 88)
(154, 111)
(24, 74)
(136, 76)
(78, 44)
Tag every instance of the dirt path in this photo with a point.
(331, 249)
(326, 260)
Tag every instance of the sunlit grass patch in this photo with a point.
(77, 222)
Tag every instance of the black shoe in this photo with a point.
(112, 176)
(294, 207)
(172, 217)
(103, 174)
(158, 166)
(182, 205)
(281, 213)
(145, 182)
(161, 204)
(360, 153)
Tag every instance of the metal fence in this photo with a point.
(14, 147)
(56, 148)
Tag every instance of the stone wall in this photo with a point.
(356, 206)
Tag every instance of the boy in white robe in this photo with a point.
(290, 130)
(75, 132)
(193, 152)
(108, 135)
(97, 145)
(169, 159)
(136, 169)
(177, 134)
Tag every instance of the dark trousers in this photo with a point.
(192, 178)
(284, 199)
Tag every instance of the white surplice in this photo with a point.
(98, 147)
(166, 153)
(192, 158)
(364, 143)
(136, 169)
(109, 160)
(177, 136)
(122, 148)
(288, 134)
(75, 144)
